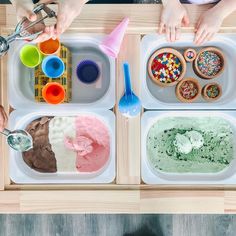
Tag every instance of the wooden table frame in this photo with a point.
(127, 194)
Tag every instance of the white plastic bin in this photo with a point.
(156, 97)
(100, 94)
(151, 176)
(22, 174)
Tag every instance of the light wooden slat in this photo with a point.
(126, 196)
(128, 129)
(2, 16)
(230, 202)
(79, 201)
(182, 201)
(9, 201)
(144, 17)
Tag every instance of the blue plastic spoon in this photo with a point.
(129, 104)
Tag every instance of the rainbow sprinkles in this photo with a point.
(166, 67)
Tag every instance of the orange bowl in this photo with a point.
(49, 46)
(53, 93)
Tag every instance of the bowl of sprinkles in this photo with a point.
(166, 67)
(188, 90)
(211, 92)
(209, 63)
(190, 54)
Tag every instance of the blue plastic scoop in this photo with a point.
(129, 104)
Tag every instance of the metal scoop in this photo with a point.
(19, 140)
(22, 29)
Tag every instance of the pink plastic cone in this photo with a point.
(111, 44)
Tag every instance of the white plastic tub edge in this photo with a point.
(149, 176)
(16, 100)
(20, 173)
(152, 42)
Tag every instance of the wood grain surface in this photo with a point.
(144, 18)
(127, 195)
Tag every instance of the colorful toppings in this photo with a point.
(209, 63)
(188, 89)
(190, 54)
(166, 68)
(213, 91)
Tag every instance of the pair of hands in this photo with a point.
(68, 10)
(174, 15)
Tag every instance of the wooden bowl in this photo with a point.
(192, 90)
(215, 74)
(214, 95)
(190, 54)
(160, 78)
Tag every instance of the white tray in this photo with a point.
(22, 174)
(99, 95)
(149, 176)
(156, 97)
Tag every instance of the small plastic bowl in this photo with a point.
(53, 93)
(188, 90)
(88, 71)
(157, 66)
(206, 65)
(211, 92)
(30, 56)
(49, 47)
(53, 66)
(190, 54)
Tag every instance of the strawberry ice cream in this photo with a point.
(91, 144)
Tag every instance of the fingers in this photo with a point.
(42, 37)
(168, 34)
(199, 35)
(185, 20)
(32, 17)
(161, 28)
(172, 33)
(61, 20)
(208, 37)
(177, 35)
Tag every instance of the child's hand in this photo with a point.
(3, 118)
(207, 26)
(173, 16)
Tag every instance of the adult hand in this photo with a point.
(68, 10)
(24, 8)
(174, 15)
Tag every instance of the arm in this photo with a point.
(208, 24)
(173, 16)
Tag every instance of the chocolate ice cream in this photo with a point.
(41, 158)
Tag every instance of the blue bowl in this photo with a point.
(88, 71)
(53, 66)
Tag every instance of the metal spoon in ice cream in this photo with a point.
(19, 140)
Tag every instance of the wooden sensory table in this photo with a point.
(127, 194)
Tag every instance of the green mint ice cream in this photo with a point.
(190, 144)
